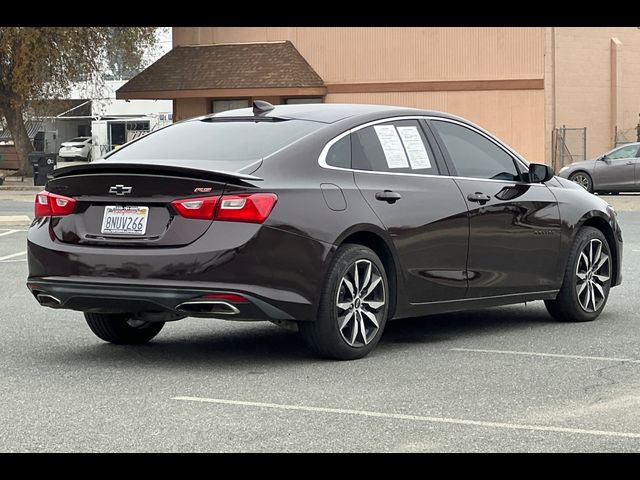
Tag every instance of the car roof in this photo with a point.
(329, 112)
(630, 144)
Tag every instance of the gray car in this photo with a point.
(613, 172)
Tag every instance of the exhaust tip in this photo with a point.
(48, 300)
(207, 308)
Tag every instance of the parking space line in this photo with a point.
(13, 261)
(539, 354)
(8, 233)
(7, 257)
(415, 418)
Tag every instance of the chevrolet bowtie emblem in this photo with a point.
(120, 190)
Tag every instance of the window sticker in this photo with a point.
(391, 145)
(418, 156)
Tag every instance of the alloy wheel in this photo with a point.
(592, 272)
(359, 303)
(581, 180)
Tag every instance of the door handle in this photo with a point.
(479, 197)
(388, 196)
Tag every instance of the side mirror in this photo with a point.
(539, 173)
(603, 158)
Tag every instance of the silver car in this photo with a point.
(613, 172)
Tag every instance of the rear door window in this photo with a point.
(395, 147)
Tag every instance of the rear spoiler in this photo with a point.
(126, 167)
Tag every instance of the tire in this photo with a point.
(569, 304)
(583, 179)
(324, 336)
(120, 328)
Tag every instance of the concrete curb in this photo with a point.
(14, 220)
(20, 188)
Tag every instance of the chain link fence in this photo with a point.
(623, 136)
(569, 145)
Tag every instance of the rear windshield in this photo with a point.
(79, 139)
(216, 140)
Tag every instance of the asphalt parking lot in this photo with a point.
(498, 380)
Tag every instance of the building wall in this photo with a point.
(353, 56)
(514, 116)
(596, 82)
(346, 54)
(190, 107)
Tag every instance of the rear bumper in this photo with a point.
(73, 154)
(280, 273)
(101, 297)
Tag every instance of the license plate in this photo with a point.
(125, 220)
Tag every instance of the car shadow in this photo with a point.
(454, 326)
(263, 344)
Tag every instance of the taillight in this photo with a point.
(202, 208)
(50, 204)
(250, 207)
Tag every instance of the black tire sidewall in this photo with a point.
(326, 338)
(113, 328)
(567, 306)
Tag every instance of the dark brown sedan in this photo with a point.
(327, 219)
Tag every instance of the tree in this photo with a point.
(41, 63)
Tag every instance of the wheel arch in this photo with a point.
(599, 221)
(378, 240)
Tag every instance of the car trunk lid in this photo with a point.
(129, 204)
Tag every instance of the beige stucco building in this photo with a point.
(518, 83)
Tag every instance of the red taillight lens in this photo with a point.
(202, 208)
(251, 208)
(49, 204)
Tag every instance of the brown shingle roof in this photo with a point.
(242, 65)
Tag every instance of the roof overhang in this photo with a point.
(226, 71)
(222, 93)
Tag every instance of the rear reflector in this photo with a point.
(50, 204)
(249, 208)
(230, 297)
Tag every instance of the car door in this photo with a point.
(514, 226)
(424, 212)
(617, 169)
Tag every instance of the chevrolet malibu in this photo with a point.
(326, 219)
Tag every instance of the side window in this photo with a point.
(398, 147)
(339, 155)
(473, 155)
(624, 152)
